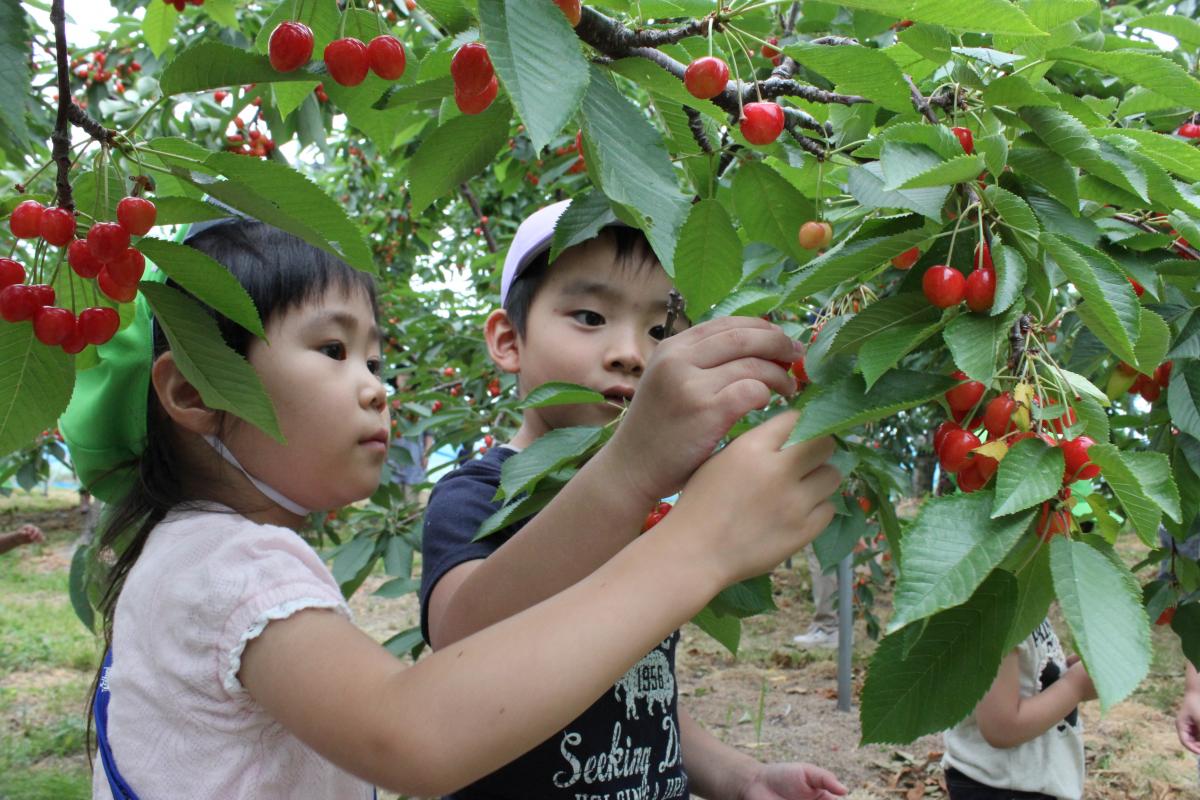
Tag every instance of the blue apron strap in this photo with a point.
(120, 789)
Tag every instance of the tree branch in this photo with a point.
(61, 138)
(474, 203)
(696, 126)
(1185, 250)
(919, 101)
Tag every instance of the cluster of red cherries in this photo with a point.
(1150, 387)
(347, 59)
(944, 286)
(475, 84)
(955, 444)
(104, 254)
(181, 4)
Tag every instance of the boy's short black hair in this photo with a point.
(632, 248)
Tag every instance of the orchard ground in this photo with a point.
(774, 701)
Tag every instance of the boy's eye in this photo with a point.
(589, 318)
(335, 350)
(374, 365)
(658, 332)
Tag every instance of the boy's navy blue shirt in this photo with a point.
(626, 745)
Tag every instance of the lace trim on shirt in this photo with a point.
(282, 611)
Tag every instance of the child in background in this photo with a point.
(233, 670)
(595, 316)
(1024, 740)
(26, 534)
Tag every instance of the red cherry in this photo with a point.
(906, 259)
(865, 504)
(471, 69)
(1162, 373)
(652, 519)
(80, 257)
(436, 406)
(983, 257)
(943, 286)
(18, 303)
(107, 241)
(26, 220)
(290, 47)
(52, 325)
(939, 435)
(761, 122)
(1138, 289)
(1075, 455)
(980, 291)
(964, 396)
(1150, 391)
(986, 466)
(997, 416)
(43, 294)
(1168, 614)
(347, 62)
(706, 77)
(965, 138)
(57, 226)
(970, 478)
(1189, 130)
(219, 95)
(128, 269)
(136, 215)
(768, 51)
(1051, 524)
(386, 56)
(11, 273)
(815, 235)
(956, 448)
(1065, 420)
(74, 343)
(98, 325)
(572, 10)
(114, 290)
(476, 103)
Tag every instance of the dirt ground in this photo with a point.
(1132, 752)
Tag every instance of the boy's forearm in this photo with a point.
(591, 519)
(715, 770)
(1193, 679)
(1041, 712)
(9, 541)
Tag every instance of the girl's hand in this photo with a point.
(1078, 675)
(29, 534)
(753, 504)
(793, 782)
(1187, 722)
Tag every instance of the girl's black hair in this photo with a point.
(280, 272)
(632, 247)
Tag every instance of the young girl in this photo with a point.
(1024, 740)
(233, 669)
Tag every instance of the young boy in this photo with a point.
(595, 317)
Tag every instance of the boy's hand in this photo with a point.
(28, 534)
(1187, 721)
(1078, 675)
(697, 385)
(752, 505)
(793, 782)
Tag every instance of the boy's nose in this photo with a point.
(373, 395)
(625, 355)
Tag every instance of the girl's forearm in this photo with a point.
(1039, 713)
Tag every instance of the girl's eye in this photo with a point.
(658, 332)
(589, 318)
(335, 350)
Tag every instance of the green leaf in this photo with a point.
(583, 219)
(956, 170)
(1048, 168)
(1014, 92)
(206, 280)
(408, 642)
(839, 538)
(212, 65)
(726, 630)
(708, 258)
(456, 151)
(849, 260)
(626, 157)
(158, 26)
(1118, 472)
(1110, 308)
(1068, 137)
(1168, 152)
(352, 558)
(847, 403)
(1030, 473)
(1082, 386)
(941, 677)
(983, 16)
(1138, 68)
(557, 393)
(1183, 28)
(1186, 624)
(1102, 605)
(977, 343)
(536, 54)
(857, 70)
(454, 15)
(1153, 471)
(882, 353)
(1153, 342)
(1011, 272)
(1183, 397)
(77, 587)
(397, 587)
(225, 380)
(1035, 593)
(1017, 219)
(882, 319)
(867, 185)
(36, 382)
(745, 598)
(178, 210)
(549, 453)
(778, 222)
(512, 513)
(15, 67)
(948, 552)
(280, 196)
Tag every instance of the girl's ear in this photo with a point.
(180, 399)
(503, 342)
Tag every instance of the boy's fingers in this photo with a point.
(731, 344)
(756, 369)
(808, 455)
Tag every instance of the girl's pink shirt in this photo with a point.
(180, 722)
